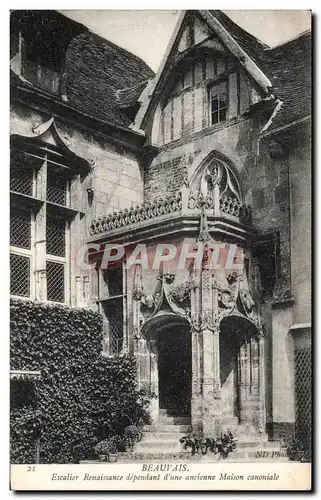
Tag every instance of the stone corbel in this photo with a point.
(282, 296)
(276, 150)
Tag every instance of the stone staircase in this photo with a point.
(165, 435)
(160, 442)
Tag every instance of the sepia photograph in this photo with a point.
(160, 249)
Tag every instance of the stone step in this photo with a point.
(163, 419)
(227, 421)
(164, 456)
(160, 427)
(157, 446)
(160, 456)
(162, 436)
(159, 441)
(260, 445)
(172, 413)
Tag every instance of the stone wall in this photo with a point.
(275, 181)
(115, 179)
(167, 170)
(301, 194)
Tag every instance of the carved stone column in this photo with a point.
(211, 385)
(196, 403)
(211, 359)
(254, 366)
(153, 374)
(243, 381)
(261, 412)
(197, 349)
(251, 384)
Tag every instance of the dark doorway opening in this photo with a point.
(229, 376)
(175, 369)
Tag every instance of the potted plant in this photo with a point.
(101, 449)
(201, 445)
(225, 444)
(112, 447)
(132, 435)
(107, 449)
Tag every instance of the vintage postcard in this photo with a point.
(160, 235)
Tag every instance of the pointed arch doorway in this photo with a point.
(241, 372)
(169, 338)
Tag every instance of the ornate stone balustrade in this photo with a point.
(171, 204)
(233, 206)
(230, 205)
(140, 213)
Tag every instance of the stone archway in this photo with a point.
(241, 372)
(174, 369)
(166, 365)
(229, 375)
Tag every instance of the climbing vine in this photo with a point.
(81, 396)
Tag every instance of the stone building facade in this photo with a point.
(212, 150)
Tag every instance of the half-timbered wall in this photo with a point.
(206, 84)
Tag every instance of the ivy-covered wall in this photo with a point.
(81, 397)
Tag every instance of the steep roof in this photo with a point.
(248, 42)
(289, 68)
(103, 79)
(100, 78)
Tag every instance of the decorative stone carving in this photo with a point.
(137, 334)
(195, 323)
(208, 322)
(234, 295)
(137, 293)
(181, 295)
(230, 205)
(192, 202)
(140, 213)
(186, 182)
(276, 150)
(245, 214)
(166, 296)
(36, 128)
(227, 294)
(197, 201)
(247, 301)
(212, 175)
(282, 295)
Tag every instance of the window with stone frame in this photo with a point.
(112, 307)
(40, 219)
(20, 251)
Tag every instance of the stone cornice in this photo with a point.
(177, 225)
(24, 375)
(45, 103)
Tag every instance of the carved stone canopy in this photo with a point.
(235, 300)
(239, 328)
(56, 141)
(168, 300)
